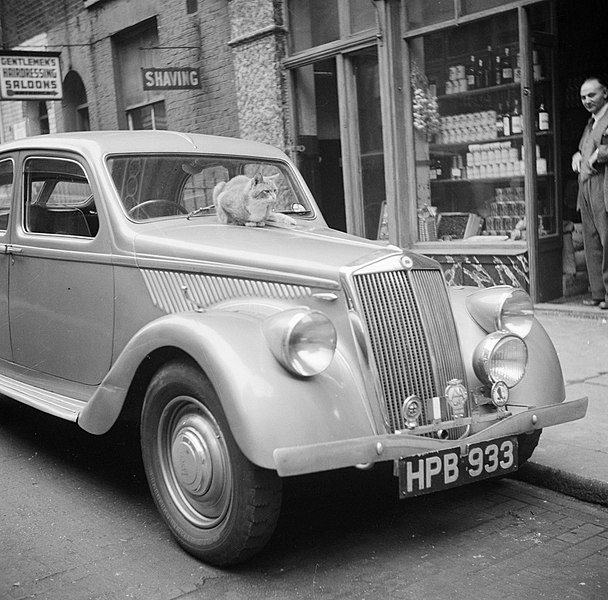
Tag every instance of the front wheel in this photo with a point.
(219, 506)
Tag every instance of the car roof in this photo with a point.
(143, 141)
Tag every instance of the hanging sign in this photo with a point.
(30, 75)
(171, 78)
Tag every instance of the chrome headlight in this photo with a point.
(502, 308)
(302, 340)
(501, 356)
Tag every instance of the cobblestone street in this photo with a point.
(77, 522)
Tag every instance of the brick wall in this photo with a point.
(84, 37)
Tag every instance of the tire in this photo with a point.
(527, 443)
(219, 506)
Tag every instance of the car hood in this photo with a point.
(303, 251)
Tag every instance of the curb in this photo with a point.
(587, 490)
(571, 310)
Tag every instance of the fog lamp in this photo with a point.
(501, 356)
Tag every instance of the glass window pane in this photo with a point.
(422, 12)
(472, 6)
(362, 15)
(370, 139)
(470, 163)
(312, 23)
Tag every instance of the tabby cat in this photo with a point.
(248, 201)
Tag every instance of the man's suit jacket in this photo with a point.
(592, 139)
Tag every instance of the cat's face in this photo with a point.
(263, 190)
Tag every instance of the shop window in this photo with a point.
(421, 13)
(473, 6)
(312, 23)
(316, 22)
(150, 116)
(469, 135)
(362, 15)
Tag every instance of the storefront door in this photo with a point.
(340, 139)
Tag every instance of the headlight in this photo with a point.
(502, 308)
(302, 340)
(501, 356)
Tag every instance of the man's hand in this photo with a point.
(593, 160)
(576, 162)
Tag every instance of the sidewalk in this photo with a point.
(573, 458)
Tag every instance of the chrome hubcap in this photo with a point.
(195, 462)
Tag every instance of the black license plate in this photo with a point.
(425, 473)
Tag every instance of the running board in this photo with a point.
(49, 402)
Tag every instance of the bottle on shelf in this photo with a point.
(506, 121)
(472, 73)
(537, 71)
(516, 125)
(497, 70)
(482, 74)
(507, 67)
(542, 118)
(517, 69)
(500, 128)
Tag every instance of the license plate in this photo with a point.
(444, 469)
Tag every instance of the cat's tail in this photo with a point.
(221, 213)
(217, 190)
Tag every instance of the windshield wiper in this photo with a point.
(200, 210)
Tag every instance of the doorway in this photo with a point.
(340, 139)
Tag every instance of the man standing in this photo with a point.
(589, 162)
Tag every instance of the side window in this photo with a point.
(6, 191)
(58, 199)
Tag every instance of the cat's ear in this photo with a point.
(258, 178)
(274, 178)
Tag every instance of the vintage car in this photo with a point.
(250, 353)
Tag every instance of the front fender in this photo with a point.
(265, 405)
(543, 382)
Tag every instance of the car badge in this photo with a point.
(456, 396)
(411, 410)
(407, 262)
(500, 394)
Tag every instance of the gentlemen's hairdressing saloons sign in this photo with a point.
(30, 75)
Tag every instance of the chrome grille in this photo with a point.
(413, 338)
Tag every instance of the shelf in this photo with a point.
(486, 179)
(488, 90)
(462, 247)
(437, 147)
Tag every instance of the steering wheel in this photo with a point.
(157, 207)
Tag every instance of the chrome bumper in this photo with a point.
(298, 460)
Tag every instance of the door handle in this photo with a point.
(10, 249)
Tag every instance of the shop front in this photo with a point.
(447, 127)
(483, 163)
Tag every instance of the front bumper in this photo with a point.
(298, 460)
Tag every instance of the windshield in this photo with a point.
(154, 186)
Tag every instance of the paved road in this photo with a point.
(76, 522)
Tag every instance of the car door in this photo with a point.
(61, 292)
(7, 184)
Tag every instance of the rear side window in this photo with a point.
(58, 199)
